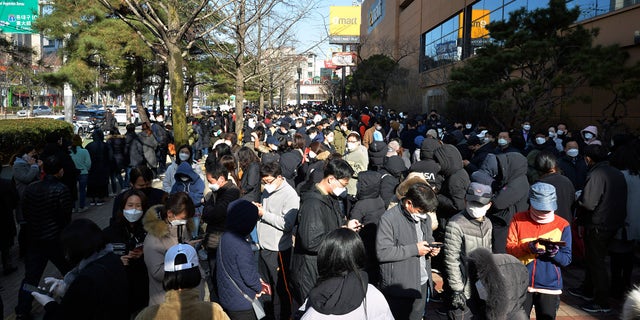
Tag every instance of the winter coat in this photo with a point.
(633, 205)
(377, 152)
(101, 162)
(132, 236)
(575, 169)
(398, 253)
(427, 165)
(603, 202)
(463, 234)
(506, 279)
(478, 157)
(289, 163)
(23, 174)
(214, 212)
(276, 224)
(314, 172)
(71, 174)
(545, 272)
(511, 193)
(250, 182)
(118, 146)
(235, 263)
(393, 171)
(160, 237)
(154, 197)
(548, 146)
(594, 130)
(319, 214)
(169, 175)
(565, 194)
(345, 298)
(81, 159)
(8, 201)
(183, 304)
(100, 291)
(134, 150)
(47, 208)
(340, 140)
(187, 180)
(149, 146)
(359, 161)
(456, 181)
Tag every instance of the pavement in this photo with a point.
(569, 306)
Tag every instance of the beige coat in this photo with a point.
(183, 304)
(160, 237)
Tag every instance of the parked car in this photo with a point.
(41, 111)
(88, 119)
(121, 116)
(23, 113)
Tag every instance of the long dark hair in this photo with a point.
(125, 196)
(340, 253)
(245, 157)
(184, 146)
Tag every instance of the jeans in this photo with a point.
(82, 190)
(35, 262)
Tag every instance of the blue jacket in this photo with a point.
(192, 184)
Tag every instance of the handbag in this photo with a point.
(255, 303)
(211, 240)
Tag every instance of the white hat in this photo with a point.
(173, 252)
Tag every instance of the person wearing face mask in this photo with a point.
(214, 214)
(340, 134)
(166, 225)
(141, 179)
(465, 232)
(557, 139)
(590, 135)
(367, 139)
(127, 236)
(541, 240)
(504, 143)
(313, 168)
(277, 213)
(542, 143)
(322, 210)
(329, 138)
(572, 164)
(468, 129)
(187, 180)
(404, 249)
(184, 155)
(358, 158)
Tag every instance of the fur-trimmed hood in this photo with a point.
(505, 278)
(154, 225)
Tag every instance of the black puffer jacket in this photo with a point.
(478, 157)
(118, 145)
(377, 151)
(47, 209)
(392, 173)
(511, 187)
(250, 182)
(214, 212)
(454, 187)
(289, 163)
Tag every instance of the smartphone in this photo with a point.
(31, 288)
(119, 249)
(436, 245)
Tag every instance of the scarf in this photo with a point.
(542, 218)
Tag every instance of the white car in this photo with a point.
(23, 113)
(121, 116)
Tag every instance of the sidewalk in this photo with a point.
(569, 306)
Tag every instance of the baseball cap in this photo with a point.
(181, 248)
(542, 196)
(273, 140)
(478, 192)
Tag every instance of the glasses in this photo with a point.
(268, 181)
(344, 185)
(352, 141)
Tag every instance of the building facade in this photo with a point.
(428, 37)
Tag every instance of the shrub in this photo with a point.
(15, 133)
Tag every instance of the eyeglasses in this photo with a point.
(268, 182)
(344, 185)
(352, 141)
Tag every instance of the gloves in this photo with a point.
(552, 250)
(458, 300)
(533, 247)
(56, 286)
(42, 299)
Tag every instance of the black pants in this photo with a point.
(38, 254)
(596, 245)
(409, 308)
(546, 305)
(499, 239)
(213, 283)
(621, 268)
(274, 269)
(161, 155)
(242, 315)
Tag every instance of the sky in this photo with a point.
(315, 28)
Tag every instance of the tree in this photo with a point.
(373, 77)
(534, 63)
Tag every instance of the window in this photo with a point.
(310, 64)
(309, 74)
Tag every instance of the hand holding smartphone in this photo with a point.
(31, 288)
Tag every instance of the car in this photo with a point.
(87, 120)
(224, 107)
(41, 111)
(121, 116)
(23, 113)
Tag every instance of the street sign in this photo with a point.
(16, 16)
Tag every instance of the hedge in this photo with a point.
(16, 133)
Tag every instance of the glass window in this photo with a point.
(441, 44)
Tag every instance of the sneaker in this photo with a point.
(595, 308)
(83, 209)
(99, 203)
(578, 292)
(92, 203)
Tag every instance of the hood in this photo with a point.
(592, 129)
(289, 162)
(184, 169)
(449, 158)
(339, 295)
(97, 135)
(512, 165)
(395, 165)
(157, 227)
(428, 147)
(242, 217)
(377, 149)
(368, 185)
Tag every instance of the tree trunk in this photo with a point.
(241, 31)
(176, 85)
(138, 89)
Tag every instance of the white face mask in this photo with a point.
(552, 134)
(378, 128)
(184, 156)
(214, 187)
(177, 222)
(476, 210)
(132, 215)
(419, 216)
(572, 153)
(338, 191)
(270, 188)
(343, 128)
(502, 142)
(526, 127)
(351, 146)
(468, 125)
(330, 139)
(560, 132)
(274, 147)
(312, 155)
(588, 136)
(540, 140)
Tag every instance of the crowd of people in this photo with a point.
(320, 212)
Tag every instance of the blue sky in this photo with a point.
(314, 29)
